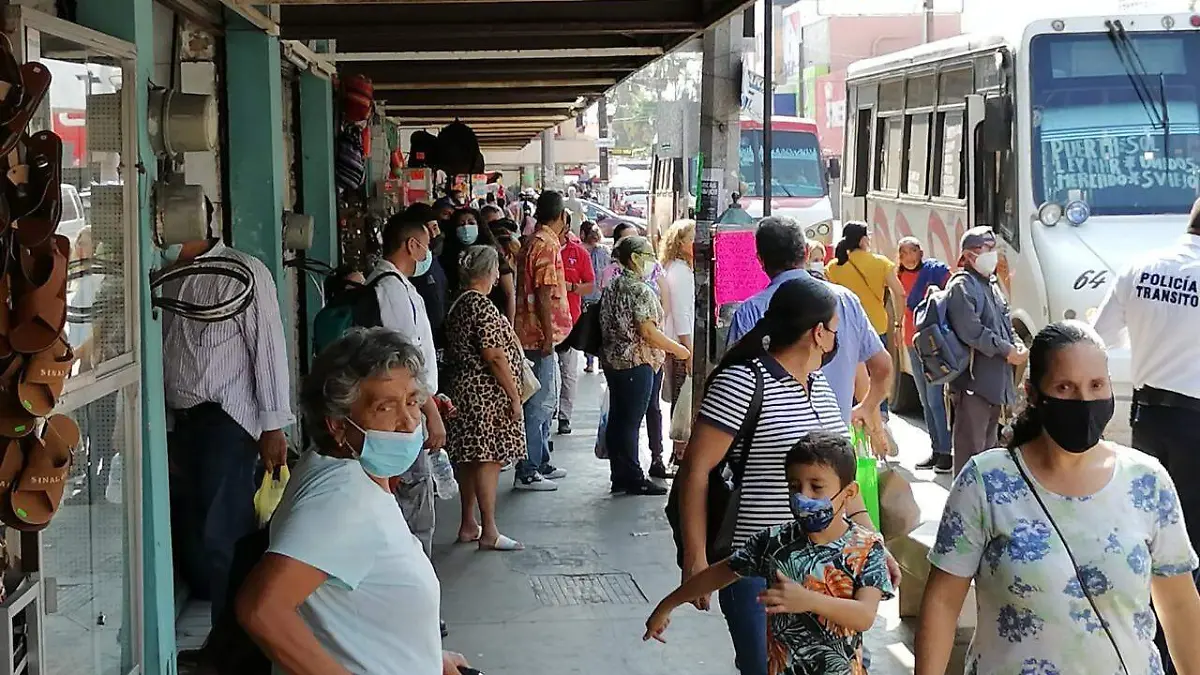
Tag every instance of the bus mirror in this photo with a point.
(995, 133)
(833, 169)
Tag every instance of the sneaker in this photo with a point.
(534, 483)
(929, 463)
(564, 426)
(552, 472)
(646, 488)
(945, 464)
(658, 470)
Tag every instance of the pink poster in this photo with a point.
(738, 272)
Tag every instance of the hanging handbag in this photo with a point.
(724, 488)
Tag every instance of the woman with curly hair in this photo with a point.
(676, 257)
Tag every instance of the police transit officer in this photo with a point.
(1158, 300)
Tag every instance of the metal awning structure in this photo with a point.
(508, 68)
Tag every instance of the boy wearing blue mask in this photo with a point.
(827, 574)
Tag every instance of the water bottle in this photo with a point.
(443, 476)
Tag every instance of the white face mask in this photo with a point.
(985, 263)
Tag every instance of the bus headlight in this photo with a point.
(1077, 213)
(1050, 213)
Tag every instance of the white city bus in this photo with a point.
(1078, 144)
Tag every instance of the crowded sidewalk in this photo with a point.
(576, 599)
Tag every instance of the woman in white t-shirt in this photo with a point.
(345, 587)
(676, 257)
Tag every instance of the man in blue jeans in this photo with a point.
(917, 274)
(543, 321)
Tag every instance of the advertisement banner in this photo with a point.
(831, 112)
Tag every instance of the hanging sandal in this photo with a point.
(41, 297)
(6, 349)
(15, 421)
(34, 193)
(43, 378)
(39, 490)
(22, 88)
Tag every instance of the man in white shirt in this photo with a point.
(1157, 299)
(406, 254)
(575, 206)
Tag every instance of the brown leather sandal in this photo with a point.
(41, 297)
(15, 421)
(39, 489)
(34, 193)
(22, 88)
(43, 378)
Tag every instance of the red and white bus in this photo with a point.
(799, 188)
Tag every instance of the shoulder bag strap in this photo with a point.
(745, 434)
(864, 278)
(1012, 453)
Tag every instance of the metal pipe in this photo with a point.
(497, 54)
(768, 101)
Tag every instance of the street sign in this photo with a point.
(752, 94)
(606, 142)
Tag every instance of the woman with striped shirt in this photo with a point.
(796, 336)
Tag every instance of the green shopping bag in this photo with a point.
(867, 474)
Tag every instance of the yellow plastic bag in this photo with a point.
(269, 494)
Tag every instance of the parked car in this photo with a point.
(607, 220)
(73, 219)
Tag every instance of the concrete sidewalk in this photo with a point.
(575, 601)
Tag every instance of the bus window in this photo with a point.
(862, 153)
(891, 145)
(948, 156)
(918, 154)
(955, 86)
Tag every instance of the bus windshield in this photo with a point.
(1095, 139)
(795, 164)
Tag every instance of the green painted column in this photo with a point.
(316, 172)
(254, 95)
(132, 21)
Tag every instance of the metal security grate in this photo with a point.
(561, 590)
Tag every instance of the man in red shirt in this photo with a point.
(581, 279)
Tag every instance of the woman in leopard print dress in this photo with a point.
(484, 363)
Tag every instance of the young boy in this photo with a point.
(827, 574)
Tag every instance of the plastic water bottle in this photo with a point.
(443, 476)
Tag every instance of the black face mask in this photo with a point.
(1076, 426)
(438, 243)
(830, 355)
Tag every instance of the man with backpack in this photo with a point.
(407, 254)
(978, 315)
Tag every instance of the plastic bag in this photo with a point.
(601, 447)
(269, 494)
(899, 512)
(867, 473)
(681, 415)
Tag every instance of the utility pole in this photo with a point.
(768, 100)
(602, 116)
(927, 23)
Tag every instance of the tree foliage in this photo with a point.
(634, 104)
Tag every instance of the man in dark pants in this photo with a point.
(228, 390)
(1155, 300)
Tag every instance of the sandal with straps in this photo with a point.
(43, 378)
(39, 490)
(15, 421)
(41, 297)
(22, 88)
(33, 188)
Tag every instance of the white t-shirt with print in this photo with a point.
(377, 613)
(1033, 615)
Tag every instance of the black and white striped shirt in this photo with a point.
(240, 364)
(788, 413)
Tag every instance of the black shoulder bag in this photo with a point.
(1074, 564)
(724, 494)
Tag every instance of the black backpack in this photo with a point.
(356, 306)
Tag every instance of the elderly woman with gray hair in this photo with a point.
(345, 587)
(484, 367)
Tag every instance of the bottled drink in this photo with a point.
(443, 475)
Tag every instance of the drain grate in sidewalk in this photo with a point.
(561, 590)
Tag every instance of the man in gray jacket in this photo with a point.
(979, 316)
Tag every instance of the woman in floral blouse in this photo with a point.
(1067, 537)
(634, 347)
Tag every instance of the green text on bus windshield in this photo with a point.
(1095, 139)
(796, 169)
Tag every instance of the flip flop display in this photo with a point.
(38, 492)
(40, 297)
(34, 196)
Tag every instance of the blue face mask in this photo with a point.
(389, 453)
(424, 264)
(467, 234)
(813, 515)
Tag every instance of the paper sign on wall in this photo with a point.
(738, 274)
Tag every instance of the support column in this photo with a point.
(317, 189)
(254, 93)
(719, 137)
(133, 21)
(549, 179)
